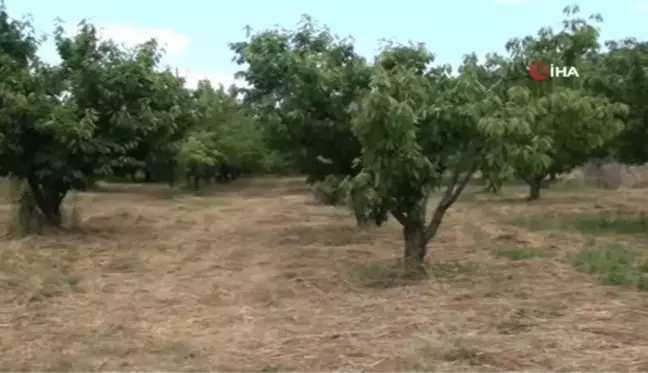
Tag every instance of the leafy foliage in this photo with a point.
(386, 136)
(569, 124)
(415, 124)
(621, 75)
(302, 84)
(105, 111)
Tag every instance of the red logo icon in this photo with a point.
(539, 70)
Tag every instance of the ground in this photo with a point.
(254, 277)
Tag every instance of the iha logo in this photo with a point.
(540, 70)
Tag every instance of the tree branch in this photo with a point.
(456, 185)
(451, 193)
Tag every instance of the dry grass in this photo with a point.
(253, 277)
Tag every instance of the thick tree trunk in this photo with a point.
(147, 176)
(415, 248)
(362, 221)
(535, 185)
(53, 215)
(53, 199)
(48, 199)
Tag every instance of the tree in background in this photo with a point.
(569, 122)
(236, 133)
(302, 83)
(621, 75)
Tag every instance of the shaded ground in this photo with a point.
(254, 277)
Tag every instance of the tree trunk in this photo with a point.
(53, 214)
(415, 248)
(362, 221)
(53, 199)
(147, 176)
(48, 200)
(535, 184)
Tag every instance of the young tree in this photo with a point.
(198, 156)
(238, 135)
(415, 123)
(570, 122)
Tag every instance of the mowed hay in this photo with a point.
(254, 278)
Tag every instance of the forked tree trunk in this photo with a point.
(417, 234)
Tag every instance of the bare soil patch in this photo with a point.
(252, 277)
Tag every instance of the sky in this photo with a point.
(196, 33)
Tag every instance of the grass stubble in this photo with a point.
(253, 277)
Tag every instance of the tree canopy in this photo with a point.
(396, 130)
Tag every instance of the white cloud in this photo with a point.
(509, 2)
(174, 43)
